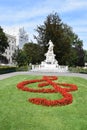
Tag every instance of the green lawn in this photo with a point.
(16, 113)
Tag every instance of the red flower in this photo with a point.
(67, 97)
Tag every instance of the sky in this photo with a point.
(30, 13)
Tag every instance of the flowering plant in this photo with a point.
(48, 80)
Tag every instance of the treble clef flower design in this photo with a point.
(49, 80)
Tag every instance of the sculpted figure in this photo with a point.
(50, 46)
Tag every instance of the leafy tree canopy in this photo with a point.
(33, 53)
(19, 58)
(85, 58)
(62, 36)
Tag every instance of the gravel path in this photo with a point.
(3, 76)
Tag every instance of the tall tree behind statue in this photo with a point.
(63, 38)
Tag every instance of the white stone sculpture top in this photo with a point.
(50, 46)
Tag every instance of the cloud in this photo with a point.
(72, 5)
(32, 13)
(41, 9)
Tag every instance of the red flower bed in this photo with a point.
(57, 88)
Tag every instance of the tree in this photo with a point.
(78, 52)
(3, 41)
(33, 53)
(85, 58)
(3, 59)
(53, 29)
(61, 35)
(19, 58)
(3, 45)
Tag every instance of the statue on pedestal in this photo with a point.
(50, 64)
(50, 56)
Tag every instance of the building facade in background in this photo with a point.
(17, 37)
(11, 48)
(19, 33)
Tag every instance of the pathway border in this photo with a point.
(4, 76)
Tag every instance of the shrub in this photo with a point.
(7, 69)
(78, 70)
(22, 68)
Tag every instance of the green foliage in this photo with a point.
(16, 113)
(7, 69)
(78, 70)
(58, 32)
(22, 68)
(85, 58)
(76, 56)
(3, 41)
(31, 53)
(19, 58)
(34, 53)
(77, 48)
(63, 38)
(3, 59)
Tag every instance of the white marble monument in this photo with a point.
(50, 64)
(50, 61)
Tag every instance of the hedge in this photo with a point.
(78, 70)
(6, 69)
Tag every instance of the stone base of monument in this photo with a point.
(49, 68)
